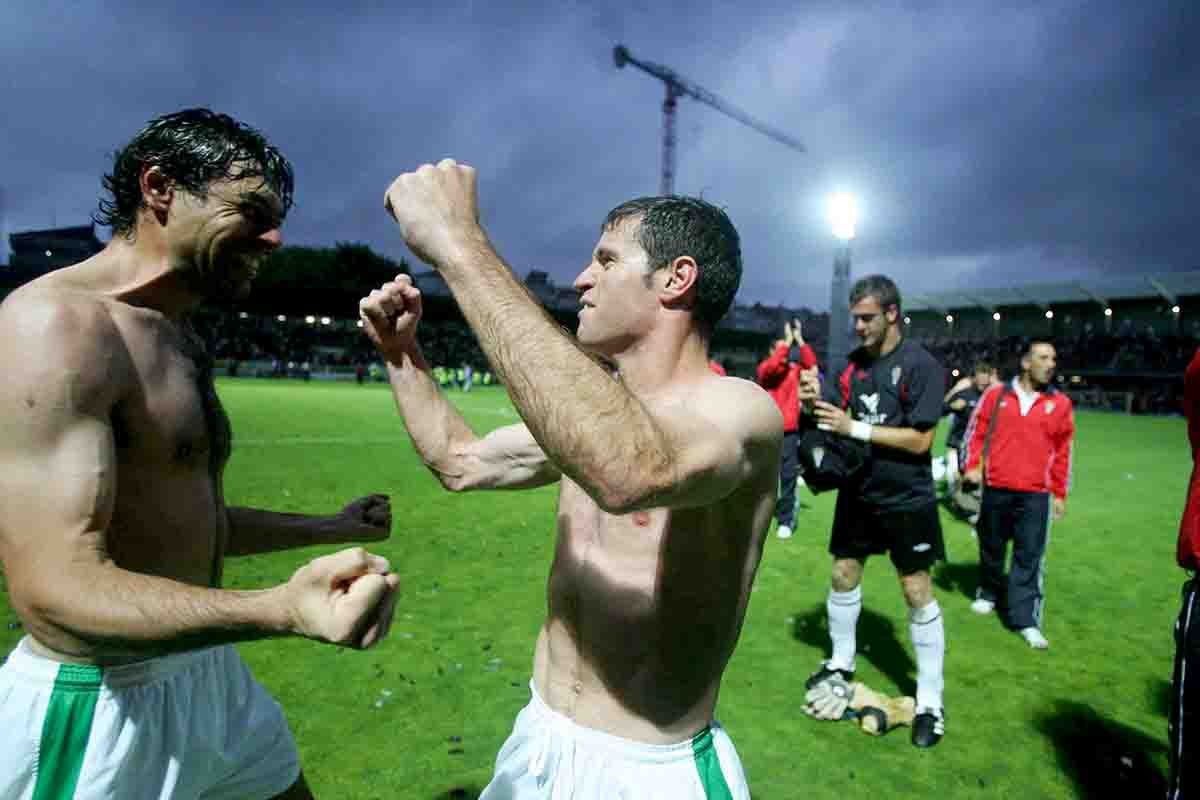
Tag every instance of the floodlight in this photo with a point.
(843, 215)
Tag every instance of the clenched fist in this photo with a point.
(437, 210)
(346, 598)
(390, 315)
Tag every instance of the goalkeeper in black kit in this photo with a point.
(889, 397)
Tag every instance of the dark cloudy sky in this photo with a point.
(990, 143)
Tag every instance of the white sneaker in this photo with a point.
(1033, 637)
(982, 606)
(784, 532)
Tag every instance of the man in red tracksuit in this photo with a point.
(779, 374)
(1019, 447)
(1184, 726)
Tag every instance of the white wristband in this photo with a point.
(860, 430)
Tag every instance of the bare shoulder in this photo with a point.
(52, 335)
(747, 403)
(734, 405)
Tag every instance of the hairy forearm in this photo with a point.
(437, 429)
(253, 531)
(100, 609)
(619, 456)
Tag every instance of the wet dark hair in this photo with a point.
(881, 287)
(675, 226)
(193, 147)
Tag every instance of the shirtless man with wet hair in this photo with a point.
(667, 471)
(113, 521)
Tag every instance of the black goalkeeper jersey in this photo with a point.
(902, 389)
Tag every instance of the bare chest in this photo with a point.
(172, 418)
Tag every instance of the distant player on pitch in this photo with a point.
(1019, 447)
(667, 472)
(889, 395)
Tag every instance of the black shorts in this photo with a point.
(1184, 714)
(912, 538)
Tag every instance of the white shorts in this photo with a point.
(191, 725)
(549, 757)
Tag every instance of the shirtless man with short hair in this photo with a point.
(113, 521)
(668, 476)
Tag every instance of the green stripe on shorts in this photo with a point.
(65, 731)
(709, 766)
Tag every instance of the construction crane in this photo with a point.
(678, 87)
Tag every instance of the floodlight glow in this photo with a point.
(950, 318)
(310, 319)
(954, 372)
(996, 316)
(242, 315)
(1108, 312)
(908, 320)
(1049, 314)
(843, 215)
(360, 323)
(325, 320)
(281, 318)
(1174, 309)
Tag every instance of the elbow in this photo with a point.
(453, 481)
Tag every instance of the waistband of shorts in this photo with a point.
(629, 749)
(34, 668)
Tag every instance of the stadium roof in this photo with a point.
(1166, 286)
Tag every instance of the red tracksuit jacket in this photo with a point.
(1188, 552)
(1030, 453)
(782, 381)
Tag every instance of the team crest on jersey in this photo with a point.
(895, 375)
(871, 402)
(1050, 407)
(818, 454)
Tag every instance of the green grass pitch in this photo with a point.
(423, 714)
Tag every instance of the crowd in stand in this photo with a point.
(297, 347)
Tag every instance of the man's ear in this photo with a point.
(679, 282)
(892, 314)
(158, 191)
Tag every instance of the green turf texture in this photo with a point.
(423, 714)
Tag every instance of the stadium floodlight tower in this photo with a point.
(843, 216)
(677, 87)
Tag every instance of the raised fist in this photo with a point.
(390, 315)
(437, 209)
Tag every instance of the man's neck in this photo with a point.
(1027, 385)
(661, 359)
(891, 340)
(140, 273)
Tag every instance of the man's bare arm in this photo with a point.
(590, 425)
(254, 530)
(506, 458)
(65, 369)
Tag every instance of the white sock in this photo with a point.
(843, 609)
(929, 641)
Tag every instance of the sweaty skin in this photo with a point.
(113, 522)
(668, 474)
(644, 608)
